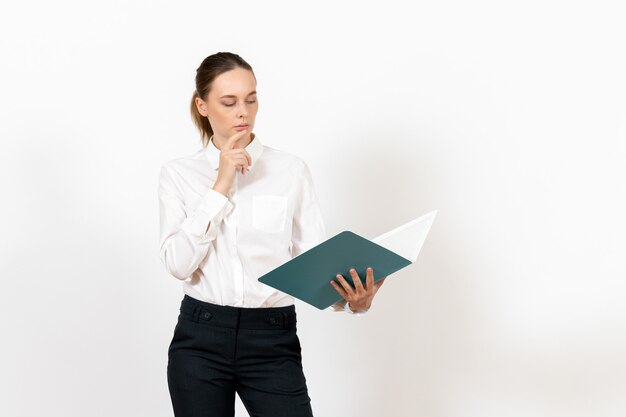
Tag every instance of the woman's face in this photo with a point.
(231, 102)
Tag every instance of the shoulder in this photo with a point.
(180, 165)
(286, 160)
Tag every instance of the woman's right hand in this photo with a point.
(232, 158)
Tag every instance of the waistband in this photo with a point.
(241, 317)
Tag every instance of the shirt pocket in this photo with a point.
(269, 213)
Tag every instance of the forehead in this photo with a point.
(237, 82)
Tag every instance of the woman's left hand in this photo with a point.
(359, 298)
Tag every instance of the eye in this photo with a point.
(251, 101)
(229, 105)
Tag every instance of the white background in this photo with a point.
(509, 118)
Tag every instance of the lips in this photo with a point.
(242, 126)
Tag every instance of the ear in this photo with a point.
(201, 106)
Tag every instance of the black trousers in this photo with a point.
(219, 350)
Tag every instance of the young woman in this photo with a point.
(229, 213)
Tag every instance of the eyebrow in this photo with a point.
(230, 95)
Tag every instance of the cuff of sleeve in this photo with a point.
(213, 208)
(344, 306)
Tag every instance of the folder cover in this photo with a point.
(308, 275)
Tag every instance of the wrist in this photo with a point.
(220, 190)
(353, 309)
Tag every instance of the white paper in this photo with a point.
(407, 240)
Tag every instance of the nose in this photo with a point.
(243, 113)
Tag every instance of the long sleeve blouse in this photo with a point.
(217, 245)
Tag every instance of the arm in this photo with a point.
(308, 227)
(185, 237)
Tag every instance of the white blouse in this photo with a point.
(270, 215)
